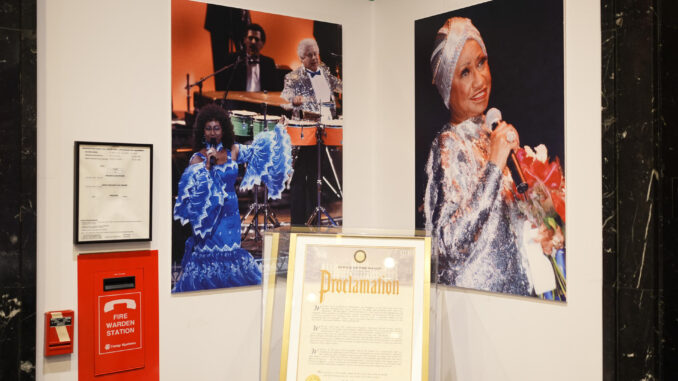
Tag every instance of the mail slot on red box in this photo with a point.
(59, 332)
(118, 316)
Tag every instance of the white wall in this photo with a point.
(103, 75)
(485, 336)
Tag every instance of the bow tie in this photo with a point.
(252, 60)
(313, 73)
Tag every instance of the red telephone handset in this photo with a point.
(131, 304)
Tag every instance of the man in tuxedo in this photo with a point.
(306, 88)
(251, 70)
(311, 83)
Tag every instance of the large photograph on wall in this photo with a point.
(489, 130)
(256, 120)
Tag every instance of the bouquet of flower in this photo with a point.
(544, 206)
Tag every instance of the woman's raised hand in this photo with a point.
(503, 140)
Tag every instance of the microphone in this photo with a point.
(493, 117)
(213, 159)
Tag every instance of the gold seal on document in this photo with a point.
(313, 377)
(360, 256)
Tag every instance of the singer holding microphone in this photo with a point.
(469, 202)
(207, 199)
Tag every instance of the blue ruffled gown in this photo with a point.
(207, 200)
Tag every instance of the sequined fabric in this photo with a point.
(297, 82)
(471, 213)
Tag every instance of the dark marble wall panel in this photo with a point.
(636, 134)
(668, 83)
(639, 230)
(18, 187)
(609, 181)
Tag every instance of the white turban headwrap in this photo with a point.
(446, 50)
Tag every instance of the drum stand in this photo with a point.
(339, 194)
(257, 208)
(319, 210)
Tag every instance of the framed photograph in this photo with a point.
(357, 308)
(216, 50)
(489, 146)
(113, 187)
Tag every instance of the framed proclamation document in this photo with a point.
(113, 187)
(357, 308)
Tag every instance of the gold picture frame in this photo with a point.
(392, 282)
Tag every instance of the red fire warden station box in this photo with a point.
(118, 308)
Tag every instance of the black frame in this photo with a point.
(76, 193)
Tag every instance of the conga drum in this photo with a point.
(333, 134)
(302, 132)
(242, 122)
(258, 124)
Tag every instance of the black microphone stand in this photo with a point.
(200, 82)
(230, 78)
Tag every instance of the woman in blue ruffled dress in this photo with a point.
(208, 201)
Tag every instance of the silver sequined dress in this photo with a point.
(471, 213)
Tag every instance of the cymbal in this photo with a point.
(258, 97)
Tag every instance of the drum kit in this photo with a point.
(248, 124)
(323, 134)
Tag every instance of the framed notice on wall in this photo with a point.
(113, 187)
(357, 308)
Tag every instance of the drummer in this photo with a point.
(306, 88)
(311, 83)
